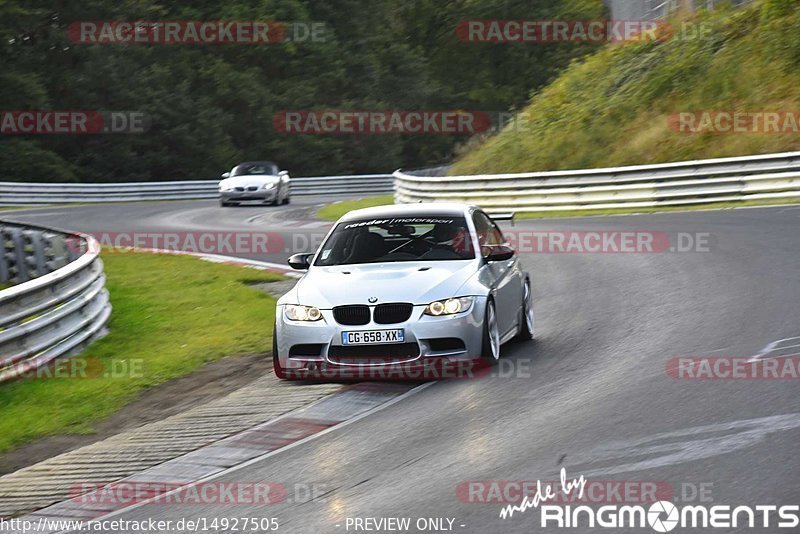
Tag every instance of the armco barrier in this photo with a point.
(759, 178)
(29, 194)
(58, 302)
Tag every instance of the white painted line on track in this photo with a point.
(775, 345)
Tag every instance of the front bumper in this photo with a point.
(315, 345)
(263, 195)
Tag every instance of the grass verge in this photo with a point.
(621, 105)
(332, 212)
(171, 315)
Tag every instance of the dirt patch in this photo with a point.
(212, 381)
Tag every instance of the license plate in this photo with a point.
(370, 337)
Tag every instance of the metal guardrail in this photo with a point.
(58, 302)
(665, 8)
(31, 194)
(661, 9)
(764, 177)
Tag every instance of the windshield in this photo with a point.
(397, 240)
(261, 167)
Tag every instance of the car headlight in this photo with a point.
(448, 306)
(268, 185)
(302, 313)
(225, 188)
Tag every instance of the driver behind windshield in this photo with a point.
(397, 240)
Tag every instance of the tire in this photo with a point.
(279, 371)
(490, 350)
(223, 204)
(527, 321)
(286, 200)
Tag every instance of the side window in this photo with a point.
(488, 232)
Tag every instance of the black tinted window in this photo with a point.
(397, 240)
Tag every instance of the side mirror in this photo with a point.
(300, 261)
(497, 252)
(225, 175)
(284, 175)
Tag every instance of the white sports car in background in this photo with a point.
(401, 285)
(255, 180)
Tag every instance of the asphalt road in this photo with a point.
(591, 394)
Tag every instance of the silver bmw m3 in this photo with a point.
(399, 287)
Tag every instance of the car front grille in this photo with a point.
(393, 313)
(373, 354)
(240, 189)
(351, 315)
(252, 188)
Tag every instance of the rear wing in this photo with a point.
(503, 217)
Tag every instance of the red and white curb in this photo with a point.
(230, 454)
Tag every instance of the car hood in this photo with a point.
(246, 180)
(415, 282)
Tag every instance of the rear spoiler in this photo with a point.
(503, 217)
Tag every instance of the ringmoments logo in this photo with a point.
(660, 516)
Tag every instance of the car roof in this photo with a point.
(428, 209)
(256, 163)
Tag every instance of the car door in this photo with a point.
(506, 275)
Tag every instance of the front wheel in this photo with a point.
(279, 371)
(527, 322)
(490, 352)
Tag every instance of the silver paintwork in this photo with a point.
(326, 287)
(268, 188)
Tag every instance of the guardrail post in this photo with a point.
(35, 259)
(5, 275)
(18, 270)
(56, 253)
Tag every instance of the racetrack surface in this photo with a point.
(591, 394)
